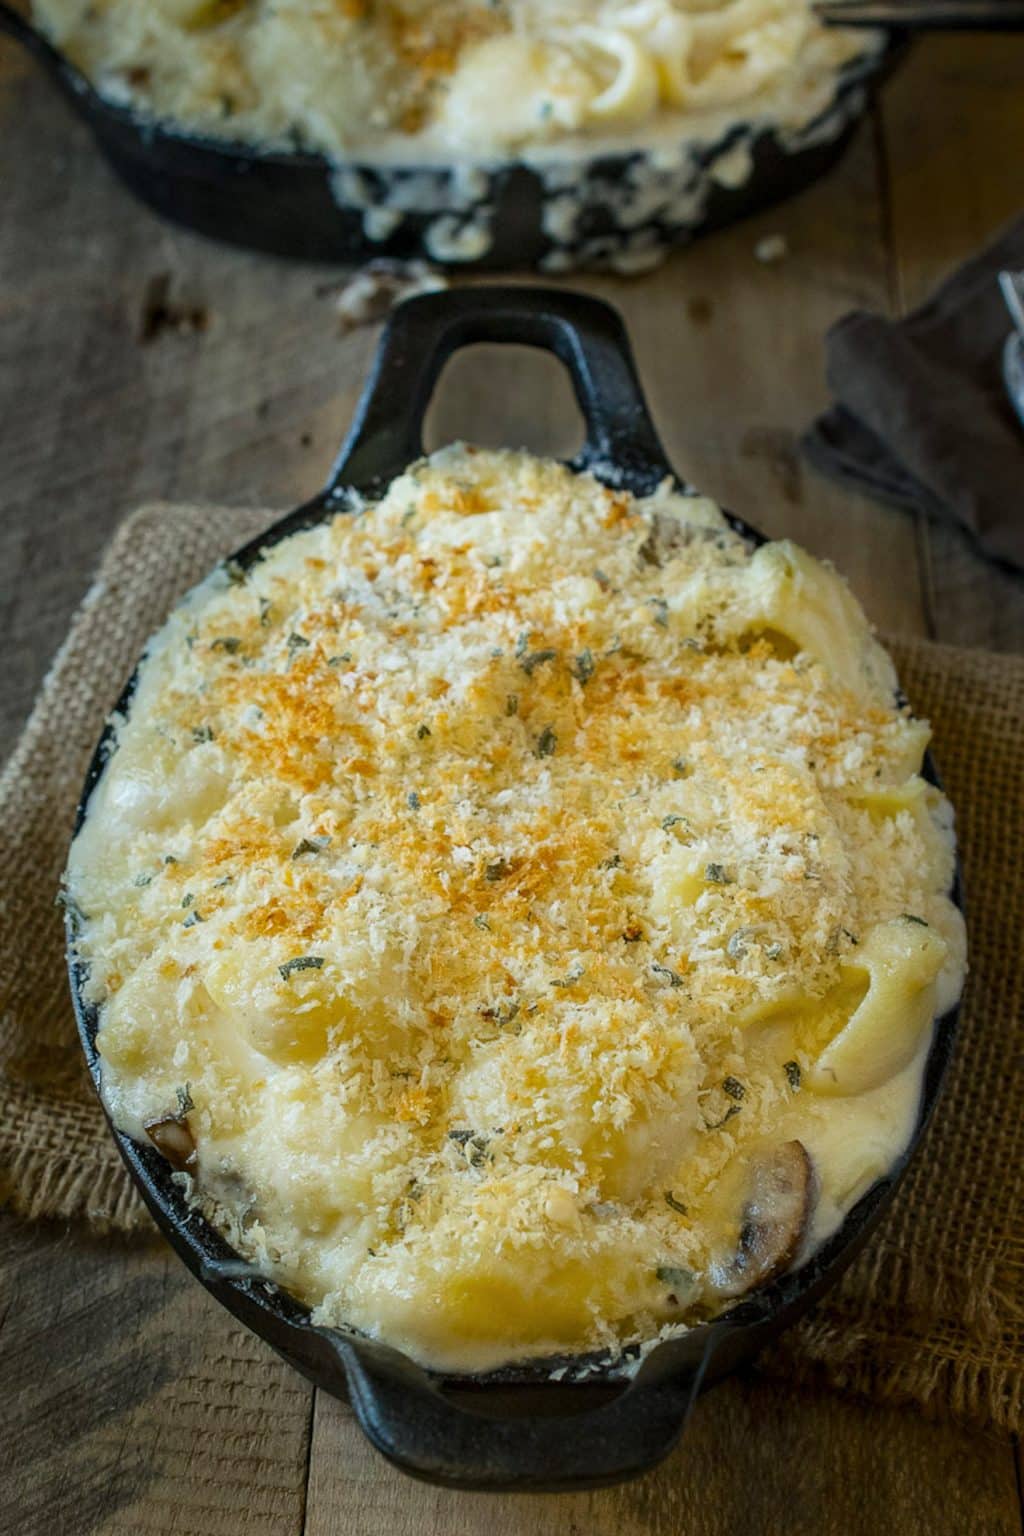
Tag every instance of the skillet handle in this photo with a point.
(586, 334)
(430, 1437)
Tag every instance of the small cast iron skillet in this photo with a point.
(295, 203)
(513, 1428)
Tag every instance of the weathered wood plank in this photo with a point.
(953, 122)
(133, 1404)
(757, 1458)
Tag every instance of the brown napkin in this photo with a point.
(922, 418)
(930, 1314)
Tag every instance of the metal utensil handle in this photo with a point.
(925, 15)
(585, 334)
(429, 1436)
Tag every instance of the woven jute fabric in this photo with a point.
(931, 1313)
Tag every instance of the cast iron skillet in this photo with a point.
(512, 1428)
(295, 203)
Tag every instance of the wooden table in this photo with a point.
(132, 1403)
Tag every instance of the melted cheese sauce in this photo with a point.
(423, 80)
(488, 877)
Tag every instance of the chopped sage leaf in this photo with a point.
(716, 874)
(512, 704)
(496, 871)
(301, 963)
(793, 1074)
(672, 977)
(187, 899)
(309, 845)
(547, 741)
(733, 1087)
(193, 918)
(536, 659)
(413, 800)
(184, 1097)
(141, 880)
(422, 732)
(482, 921)
(229, 643)
(583, 666)
(909, 917)
(202, 733)
(676, 1205)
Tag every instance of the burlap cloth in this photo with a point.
(930, 1314)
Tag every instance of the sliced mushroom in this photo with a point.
(776, 1216)
(173, 1139)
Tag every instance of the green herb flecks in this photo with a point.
(496, 871)
(794, 1076)
(422, 732)
(202, 733)
(536, 659)
(297, 642)
(185, 1103)
(672, 977)
(512, 704)
(909, 917)
(310, 845)
(582, 667)
(733, 1087)
(482, 921)
(301, 963)
(675, 1205)
(194, 917)
(547, 742)
(675, 820)
(229, 643)
(717, 874)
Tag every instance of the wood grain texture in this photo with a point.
(138, 1405)
(757, 1458)
(133, 1404)
(953, 126)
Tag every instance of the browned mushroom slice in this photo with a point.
(173, 1138)
(776, 1216)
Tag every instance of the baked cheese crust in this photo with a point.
(486, 879)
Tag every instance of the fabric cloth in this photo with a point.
(922, 418)
(929, 1314)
